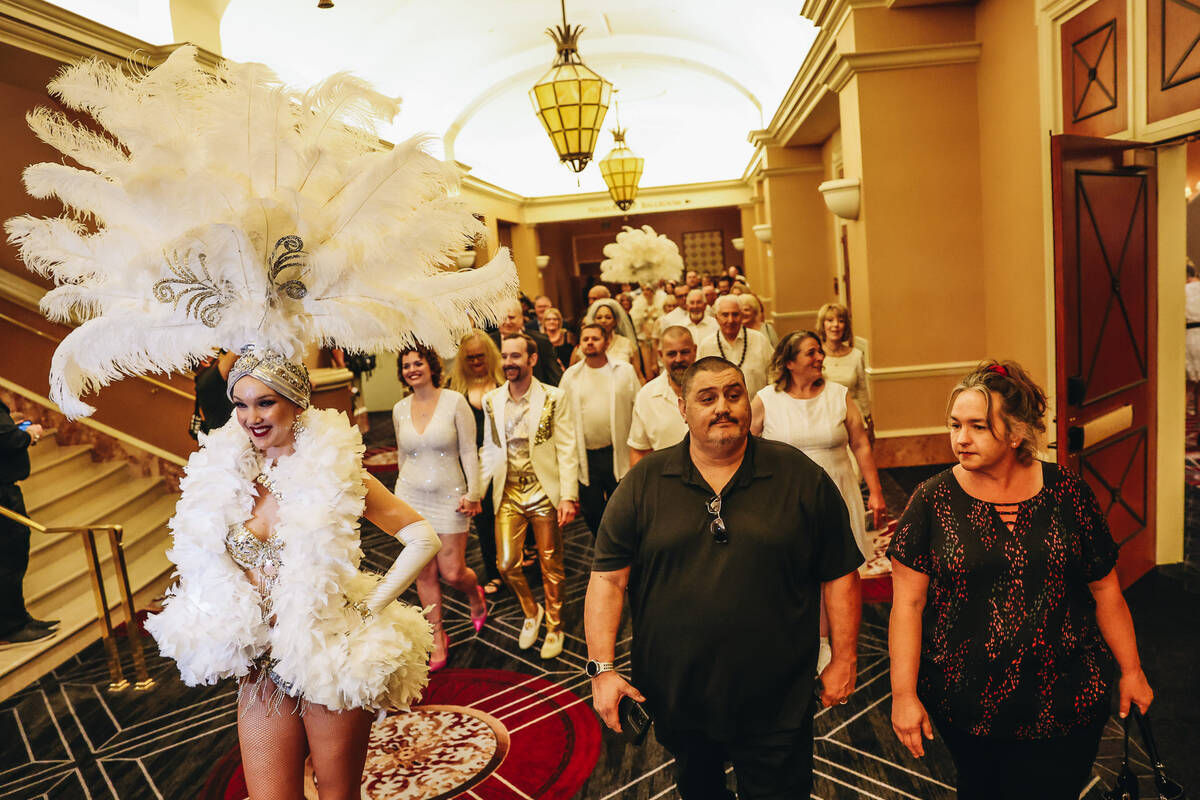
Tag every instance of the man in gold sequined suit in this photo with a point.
(529, 455)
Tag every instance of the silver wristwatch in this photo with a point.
(594, 668)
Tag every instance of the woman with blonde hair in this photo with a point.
(560, 338)
(752, 317)
(1008, 614)
(844, 363)
(476, 372)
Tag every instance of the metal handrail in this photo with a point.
(51, 337)
(87, 533)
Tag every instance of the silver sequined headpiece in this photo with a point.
(286, 377)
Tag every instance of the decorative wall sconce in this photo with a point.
(738, 243)
(542, 262)
(842, 196)
(763, 232)
(465, 259)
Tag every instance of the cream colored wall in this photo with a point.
(794, 208)
(1172, 393)
(1011, 140)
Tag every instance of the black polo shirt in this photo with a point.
(725, 635)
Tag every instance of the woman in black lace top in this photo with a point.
(1007, 613)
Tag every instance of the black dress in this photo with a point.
(485, 520)
(1010, 643)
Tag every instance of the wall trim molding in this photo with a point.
(107, 430)
(941, 370)
(50, 31)
(778, 315)
(848, 65)
(16, 289)
(899, 433)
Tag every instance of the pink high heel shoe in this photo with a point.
(436, 664)
(479, 621)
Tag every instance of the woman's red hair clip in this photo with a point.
(997, 368)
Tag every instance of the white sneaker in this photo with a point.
(552, 647)
(529, 630)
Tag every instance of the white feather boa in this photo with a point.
(211, 622)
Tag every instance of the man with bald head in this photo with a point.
(512, 320)
(598, 292)
(749, 351)
(657, 423)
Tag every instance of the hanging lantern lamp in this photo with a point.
(570, 99)
(622, 169)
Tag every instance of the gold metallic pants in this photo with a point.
(525, 504)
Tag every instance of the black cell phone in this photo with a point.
(635, 721)
(24, 425)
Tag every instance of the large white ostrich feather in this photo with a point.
(225, 209)
(640, 256)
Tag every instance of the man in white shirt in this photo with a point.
(698, 321)
(657, 421)
(678, 315)
(748, 350)
(599, 392)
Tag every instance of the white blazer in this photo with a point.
(551, 442)
(620, 413)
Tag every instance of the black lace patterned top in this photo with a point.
(1010, 646)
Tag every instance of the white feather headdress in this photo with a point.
(640, 256)
(225, 210)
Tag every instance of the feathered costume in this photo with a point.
(639, 255)
(225, 210)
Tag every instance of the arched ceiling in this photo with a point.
(693, 76)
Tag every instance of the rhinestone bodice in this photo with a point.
(250, 552)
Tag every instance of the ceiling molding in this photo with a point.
(653, 200)
(850, 64)
(47, 30)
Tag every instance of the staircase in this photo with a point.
(67, 487)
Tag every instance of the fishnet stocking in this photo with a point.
(275, 739)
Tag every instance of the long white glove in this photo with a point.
(421, 544)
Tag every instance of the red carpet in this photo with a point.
(492, 734)
(877, 572)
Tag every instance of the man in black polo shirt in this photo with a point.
(726, 544)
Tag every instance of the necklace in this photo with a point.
(721, 347)
(267, 482)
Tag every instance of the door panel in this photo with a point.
(1104, 219)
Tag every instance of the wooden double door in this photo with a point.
(1106, 290)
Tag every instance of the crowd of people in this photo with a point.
(657, 420)
(735, 552)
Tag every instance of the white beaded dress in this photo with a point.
(817, 426)
(440, 464)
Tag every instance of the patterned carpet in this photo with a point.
(66, 737)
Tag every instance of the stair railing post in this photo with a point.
(117, 681)
(132, 626)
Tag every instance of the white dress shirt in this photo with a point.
(657, 421)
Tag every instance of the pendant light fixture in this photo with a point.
(621, 169)
(570, 99)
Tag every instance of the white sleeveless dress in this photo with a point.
(817, 426)
(439, 465)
